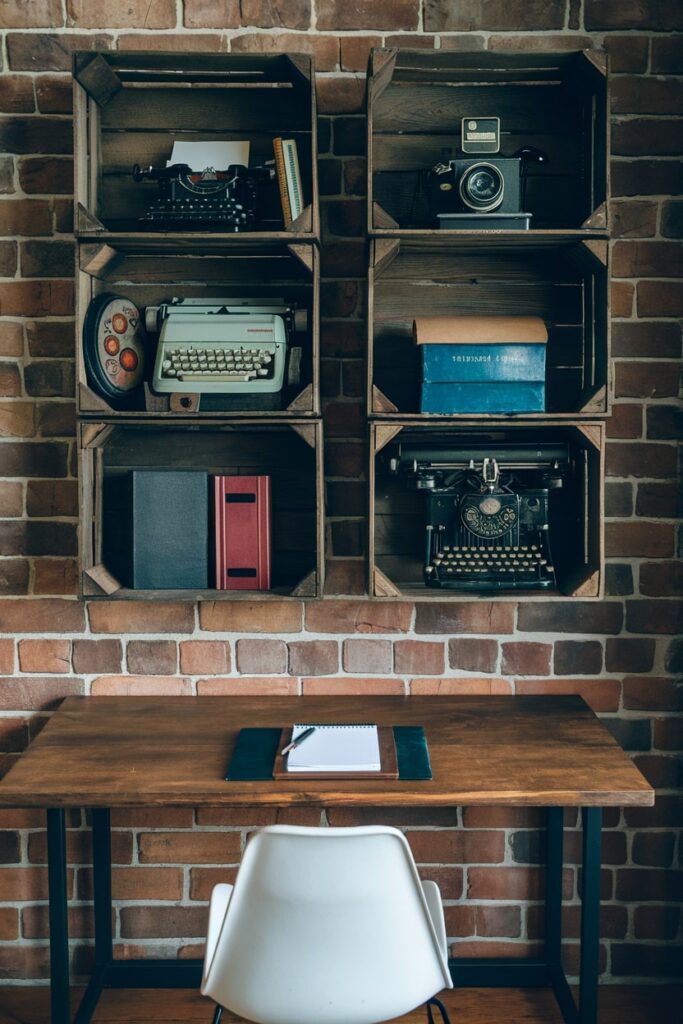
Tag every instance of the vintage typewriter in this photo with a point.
(231, 346)
(191, 200)
(487, 513)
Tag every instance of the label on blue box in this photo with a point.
(493, 396)
(483, 362)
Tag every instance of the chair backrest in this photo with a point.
(326, 926)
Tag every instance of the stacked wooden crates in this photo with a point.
(558, 270)
(129, 109)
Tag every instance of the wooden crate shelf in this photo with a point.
(566, 284)
(291, 454)
(396, 537)
(129, 108)
(150, 271)
(556, 102)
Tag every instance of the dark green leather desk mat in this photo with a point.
(255, 750)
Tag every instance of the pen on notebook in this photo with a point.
(300, 738)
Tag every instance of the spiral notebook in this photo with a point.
(338, 749)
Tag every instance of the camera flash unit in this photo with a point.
(480, 134)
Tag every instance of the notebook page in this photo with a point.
(336, 748)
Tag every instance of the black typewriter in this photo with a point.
(203, 200)
(487, 516)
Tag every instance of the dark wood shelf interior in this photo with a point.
(131, 108)
(398, 511)
(556, 103)
(149, 275)
(290, 454)
(566, 285)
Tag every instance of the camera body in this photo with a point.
(481, 191)
(476, 185)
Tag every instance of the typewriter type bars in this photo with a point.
(474, 563)
(480, 536)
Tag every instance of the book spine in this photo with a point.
(242, 516)
(219, 532)
(264, 530)
(293, 177)
(282, 181)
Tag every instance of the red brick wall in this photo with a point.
(621, 654)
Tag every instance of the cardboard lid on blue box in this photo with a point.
(479, 330)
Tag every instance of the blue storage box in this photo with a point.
(481, 364)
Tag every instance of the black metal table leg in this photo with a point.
(553, 913)
(590, 915)
(553, 885)
(101, 863)
(104, 945)
(59, 924)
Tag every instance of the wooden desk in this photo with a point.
(108, 752)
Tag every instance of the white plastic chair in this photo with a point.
(325, 926)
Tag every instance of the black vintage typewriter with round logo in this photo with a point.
(487, 512)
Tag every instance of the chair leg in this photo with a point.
(217, 1015)
(441, 1008)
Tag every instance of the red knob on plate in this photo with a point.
(119, 322)
(128, 360)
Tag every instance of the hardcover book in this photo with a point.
(289, 178)
(156, 529)
(242, 532)
(481, 364)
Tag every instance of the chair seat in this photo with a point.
(416, 1016)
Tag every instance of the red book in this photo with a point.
(242, 514)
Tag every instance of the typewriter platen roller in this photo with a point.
(487, 518)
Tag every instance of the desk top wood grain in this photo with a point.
(145, 751)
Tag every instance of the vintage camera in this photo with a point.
(476, 186)
(482, 191)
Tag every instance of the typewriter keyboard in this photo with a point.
(204, 213)
(245, 363)
(499, 567)
(220, 368)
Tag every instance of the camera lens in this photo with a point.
(481, 187)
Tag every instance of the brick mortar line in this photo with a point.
(227, 636)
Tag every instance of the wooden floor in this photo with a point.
(633, 1005)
